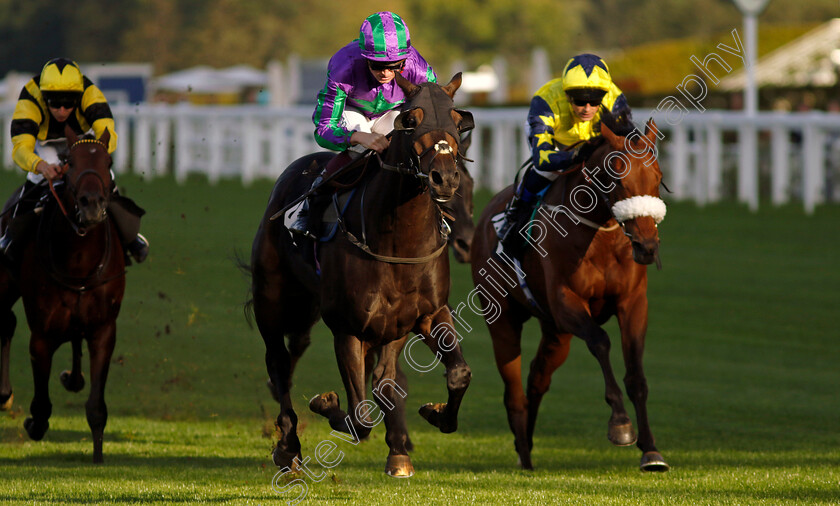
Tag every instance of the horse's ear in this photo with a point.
(466, 122)
(616, 142)
(464, 145)
(651, 131)
(407, 86)
(105, 138)
(71, 136)
(453, 85)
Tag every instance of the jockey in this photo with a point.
(563, 113)
(358, 104)
(61, 95)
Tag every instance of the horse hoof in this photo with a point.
(324, 404)
(399, 466)
(35, 430)
(6, 402)
(622, 435)
(653, 462)
(433, 413)
(284, 459)
(271, 389)
(69, 384)
(524, 463)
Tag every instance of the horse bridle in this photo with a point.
(72, 185)
(620, 218)
(414, 169)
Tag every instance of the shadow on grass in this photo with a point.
(135, 462)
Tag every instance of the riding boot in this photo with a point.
(126, 215)
(138, 249)
(518, 212)
(301, 224)
(22, 219)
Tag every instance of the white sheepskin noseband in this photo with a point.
(640, 205)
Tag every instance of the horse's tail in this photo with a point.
(245, 268)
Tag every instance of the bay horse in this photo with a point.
(71, 279)
(585, 261)
(382, 277)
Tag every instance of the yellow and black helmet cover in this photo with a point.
(61, 79)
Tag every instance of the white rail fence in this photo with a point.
(705, 157)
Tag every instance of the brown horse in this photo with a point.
(383, 277)
(589, 246)
(71, 279)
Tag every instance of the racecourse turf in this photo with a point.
(741, 360)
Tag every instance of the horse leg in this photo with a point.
(8, 322)
(632, 320)
(281, 307)
(551, 354)
(100, 348)
(506, 333)
(572, 315)
(439, 335)
(41, 353)
(74, 379)
(390, 390)
(350, 353)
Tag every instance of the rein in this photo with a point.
(441, 147)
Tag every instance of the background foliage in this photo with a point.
(176, 34)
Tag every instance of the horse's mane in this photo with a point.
(620, 122)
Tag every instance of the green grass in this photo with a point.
(741, 361)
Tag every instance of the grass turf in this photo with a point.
(741, 362)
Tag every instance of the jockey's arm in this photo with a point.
(96, 111)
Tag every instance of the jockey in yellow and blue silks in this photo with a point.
(563, 113)
(62, 96)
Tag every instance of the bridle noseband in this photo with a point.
(72, 185)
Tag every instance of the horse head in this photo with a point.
(430, 126)
(88, 177)
(633, 190)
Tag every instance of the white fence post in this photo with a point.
(812, 170)
(748, 166)
(780, 161)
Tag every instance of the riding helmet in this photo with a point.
(384, 37)
(61, 79)
(586, 77)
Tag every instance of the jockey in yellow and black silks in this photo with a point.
(563, 112)
(62, 96)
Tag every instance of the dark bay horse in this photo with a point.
(588, 248)
(71, 279)
(384, 276)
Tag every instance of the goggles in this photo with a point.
(58, 103)
(580, 102)
(386, 65)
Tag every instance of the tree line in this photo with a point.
(176, 34)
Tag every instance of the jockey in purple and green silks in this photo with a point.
(360, 80)
(359, 102)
